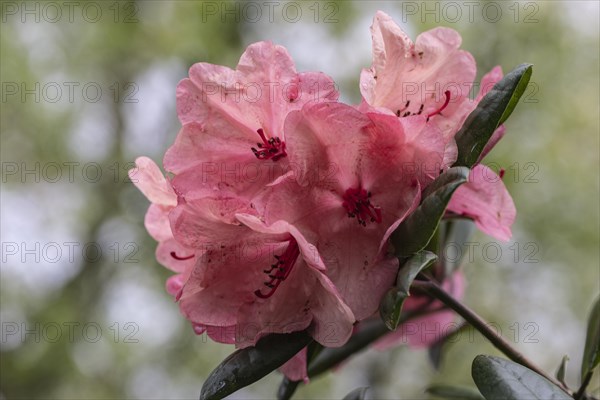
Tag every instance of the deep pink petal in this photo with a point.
(485, 199)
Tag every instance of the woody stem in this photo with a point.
(480, 324)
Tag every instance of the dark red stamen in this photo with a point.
(175, 256)
(357, 203)
(439, 110)
(271, 149)
(279, 271)
(501, 173)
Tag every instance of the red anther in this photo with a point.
(358, 204)
(280, 270)
(269, 149)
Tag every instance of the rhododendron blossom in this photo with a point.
(431, 77)
(380, 163)
(280, 201)
(232, 134)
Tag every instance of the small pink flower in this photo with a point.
(232, 135)
(484, 198)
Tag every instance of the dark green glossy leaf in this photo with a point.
(454, 392)
(390, 307)
(500, 379)
(591, 352)
(413, 234)
(495, 108)
(562, 370)
(357, 394)
(246, 366)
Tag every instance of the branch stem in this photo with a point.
(480, 324)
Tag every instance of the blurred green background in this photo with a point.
(89, 86)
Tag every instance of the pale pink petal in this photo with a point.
(174, 284)
(157, 223)
(207, 221)
(151, 181)
(324, 142)
(484, 198)
(185, 256)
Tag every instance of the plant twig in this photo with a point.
(478, 323)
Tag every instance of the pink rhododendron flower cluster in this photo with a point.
(279, 201)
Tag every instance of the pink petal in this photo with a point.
(485, 199)
(295, 368)
(151, 181)
(165, 251)
(157, 223)
(324, 142)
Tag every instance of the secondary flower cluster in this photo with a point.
(280, 200)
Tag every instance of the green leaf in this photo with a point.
(500, 379)
(246, 366)
(591, 352)
(495, 107)
(390, 307)
(453, 392)
(562, 370)
(357, 394)
(413, 234)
